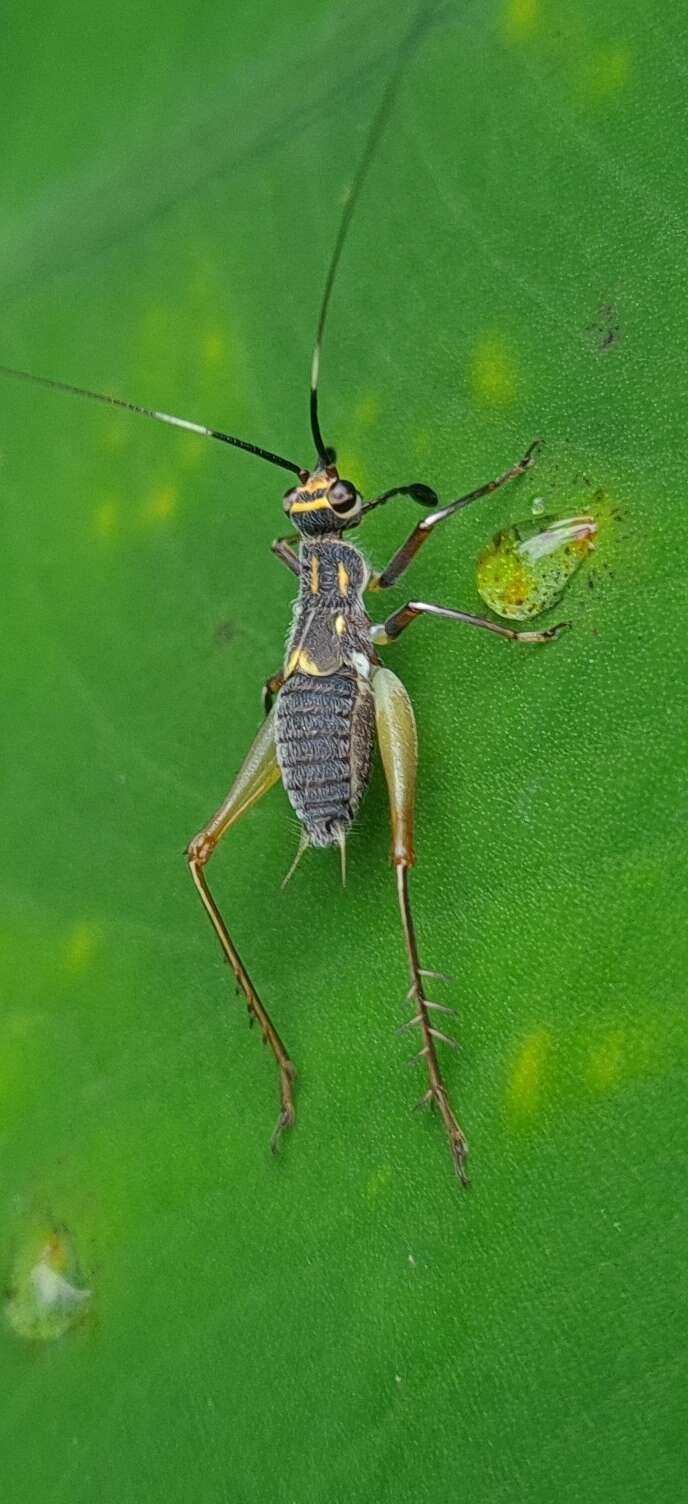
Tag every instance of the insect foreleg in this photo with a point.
(283, 550)
(394, 626)
(258, 774)
(396, 730)
(421, 532)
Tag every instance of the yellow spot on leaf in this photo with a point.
(378, 1181)
(81, 945)
(212, 350)
(607, 71)
(493, 372)
(116, 435)
(606, 1062)
(161, 505)
(367, 410)
(193, 452)
(350, 465)
(528, 1073)
(106, 519)
(521, 18)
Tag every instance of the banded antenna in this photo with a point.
(325, 452)
(149, 412)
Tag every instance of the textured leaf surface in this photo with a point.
(342, 1323)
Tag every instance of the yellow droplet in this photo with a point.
(212, 349)
(81, 945)
(606, 1062)
(528, 1073)
(106, 519)
(493, 372)
(521, 18)
(161, 505)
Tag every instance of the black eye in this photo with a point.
(343, 497)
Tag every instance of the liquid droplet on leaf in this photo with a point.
(526, 568)
(46, 1297)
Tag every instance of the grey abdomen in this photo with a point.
(324, 732)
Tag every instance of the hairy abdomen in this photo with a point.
(324, 732)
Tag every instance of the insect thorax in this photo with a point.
(331, 626)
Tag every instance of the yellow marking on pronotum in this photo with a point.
(80, 945)
(106, 519)
(315, 574)
(606, 1062)
(343, 579)
(493, 372)
(340, 625)
(528, 1072)
(308, 506)
(521, 18)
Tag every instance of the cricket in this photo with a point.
(334, 698)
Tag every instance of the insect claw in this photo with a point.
(285, 1120)
(459, 1155)
(531, 453)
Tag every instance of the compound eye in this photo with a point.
(343, 497)
(289, 498)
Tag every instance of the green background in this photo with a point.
(343, 1323)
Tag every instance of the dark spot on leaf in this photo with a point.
(605, 330)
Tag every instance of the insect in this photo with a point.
(333, 696)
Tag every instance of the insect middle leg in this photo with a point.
(421, 532)
(396, 730)
(258, 774)
(393, 627)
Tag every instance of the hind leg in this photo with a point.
(258, 774)
(396, 730)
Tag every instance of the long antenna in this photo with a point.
(377, 126)
(149, 412)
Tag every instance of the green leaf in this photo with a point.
(342, 1323)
